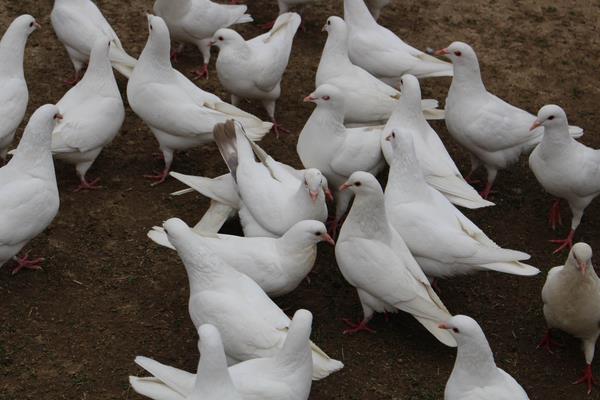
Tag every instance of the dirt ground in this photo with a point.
(108, 294)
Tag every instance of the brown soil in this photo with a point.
(108, 294)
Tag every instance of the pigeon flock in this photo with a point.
(369, 124)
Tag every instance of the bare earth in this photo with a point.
(107, 294)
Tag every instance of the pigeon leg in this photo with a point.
(162, 176)
(548, 343)
(564, 243)
(354, 328)
(25, 262)
(267, 26)
(485, 193)
(201, 72)
(74, 80)
(278, 127)
(587, 378)
(554, 215)
(85, 185)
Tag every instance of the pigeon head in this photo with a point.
(580, 257)
(335, 25)
(99, 60)
(400, 139)
(25, 25)
(309, 231)
(326, 95)
(459, 53)
(464, 329)
(362, 183)
(297, 341)
(41, 124)
(159, 40)
(225, 37)
(313, 181)
(176, 231)
(551, 116)
(410, 90)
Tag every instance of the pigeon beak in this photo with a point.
(37, 25)
(444, 326)
(441, 52)
(309, 99)
(582, 267)
(388, 137)
(328, 194)
(212, 43)
(344, 187)
(58, 116)
(314, 196)
(535, 125)
(328, 239)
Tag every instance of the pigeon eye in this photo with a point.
(328, 22)
(30, 24)
(325, 98)
(402, 81)
(458, 53)
(455, 330)
(357, 184)
(221, 38)
(150, 27)
(394, 135)
(317, 233)
(551, 117)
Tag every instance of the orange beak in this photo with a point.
(37, 25)
(535, 125)
(444, 326)
(58, 117)
(344, 187)
(441, 52)
(314, 196)
(309, 99)
(328, 239)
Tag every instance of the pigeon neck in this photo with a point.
(156, 56)
(296, 349)
(557, 135)
(12, 51)
(368, 216)
(201, 265)
(99, 76)
(213, 379)
(474, 362)
(356, 13)
(405, 180)
(467, 78)
(409, 113)
(34, 158)
(335, 52)
(329, 120)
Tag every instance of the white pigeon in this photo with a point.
(78, 25)
(179, 114)
(375, 7)
(284, 7)
(326, 144)
(195, 21)
(277, 265)
(571, 298)
(565, 168)
(475, 375)
(284, 376)
(253, 69)
(437, 165)
(212, 381)
(380, 52)
(13, 87)
(368, 100)
(444, 242)
(494, 132)
(274, 197)
(375, 260)
(92, 113)
(251, 325)
(28, 193)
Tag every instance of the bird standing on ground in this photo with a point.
(78, 25)
(28, 193)
(179, 114)
(565, 168)
(494, 132)
(253, 69)
(571, 298)
(375, 260)
(251, 325)
(92, 113)
(13, 87)
(475, 375)
(195, 21)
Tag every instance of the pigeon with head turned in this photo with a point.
(284, 376)
(78, 25)
(375, 7)
(368, 100)
(278, 265)
(179, 114)
(565, 168)
(326, 144)
(494, 132)
(195, 21)
(13, 87)
(571, 298)
(475, 375)
(437, 165)
(28, 193)
(251, 325)
(92, 113)
(253, 69)
(273, 195)
(444, 242)
(379, 51)
(375, 260)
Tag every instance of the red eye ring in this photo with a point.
(457, 53)
(326, 98)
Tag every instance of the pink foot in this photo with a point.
(333, 225)
(587, 378)
(25, 262)
(85, 185)
(158, 156)
(328, 195)
(547, 343)
(277, 128)
(470, 180)
(554, 215)
(201, 72)
(485, 193)
(174, 56)
(267, 26)
(158, 178)
(354, 328)
(564, 243)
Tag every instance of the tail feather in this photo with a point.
(226, 139)
(154, 389)
(430, 110)
(244, 19)
(222, 188)
(513, 268)
(458, 191)
(214, 218)
(179, 381)
(157, 235)
(575, 131)
(286, 24)
(255, 128)
(121, 61)
(323, 365)
(440, 334)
